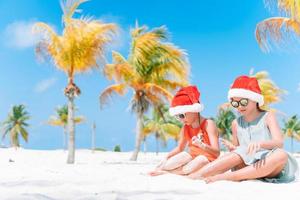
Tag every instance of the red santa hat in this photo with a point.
(187, 99)
(246, 87)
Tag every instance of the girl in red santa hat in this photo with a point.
(199, 133)
(256, 151)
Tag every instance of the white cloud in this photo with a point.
(298, 87)
(19, 34)
(44, 85)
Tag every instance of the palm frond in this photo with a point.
(158, 90)
(121, 70)
(49, 45)
(79, 120)
(290, 8)
(56, 122)
(171, 130)
(276, 30)
(105, 96)
(149, 127)
(24, 134)
(81, 46)
(70, 7)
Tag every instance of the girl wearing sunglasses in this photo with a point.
(256, 151)
(198, 133)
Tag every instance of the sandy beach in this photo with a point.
(44, 174)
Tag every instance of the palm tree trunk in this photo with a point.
(71, 130)
(93, 137)
(65, 137)
(12, 140)
(161, 113)
(145, 145)
(157, 143)
(292, 143)
(138, 138)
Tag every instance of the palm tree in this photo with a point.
(224, 120)
(80, 48)
(61, 119)
(164, 127)
(278, 29)
(93, 136)
(271, 92)
(15, 125)
(152, 69)
(292, 129)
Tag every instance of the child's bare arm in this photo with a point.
(277, 136)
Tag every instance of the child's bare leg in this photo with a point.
(269, 167)
(177, 171)
(190, 167)
(218, 166)
(177, 161)
(173, 164)
(240, 166)
(194, 165)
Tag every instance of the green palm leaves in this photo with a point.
(224, 120)
(15, 125)
(292, 129)
(162, 125)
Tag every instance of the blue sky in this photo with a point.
(217, 35)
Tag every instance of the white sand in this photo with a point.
(107, 175)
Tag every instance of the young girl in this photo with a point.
(256, 151)
(198, 133)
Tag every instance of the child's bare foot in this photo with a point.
(194, 176)
(157, 173)
(215, 178)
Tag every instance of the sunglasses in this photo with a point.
(242, 102)
(180, 116)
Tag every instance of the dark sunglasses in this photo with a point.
(242, 102)
(180, 116)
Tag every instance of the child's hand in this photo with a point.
(228, 144)
(197, 140)
(253, 147)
